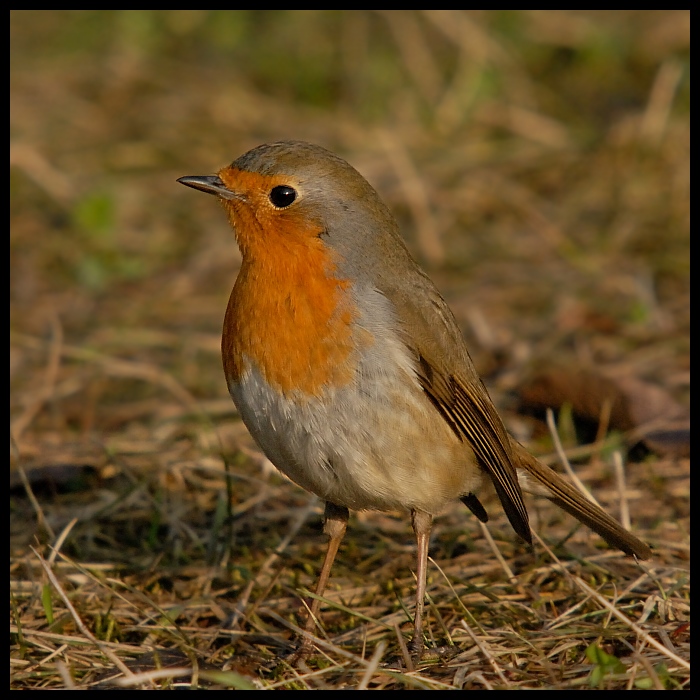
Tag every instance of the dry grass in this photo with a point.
(538, 164)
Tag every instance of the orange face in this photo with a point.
(261, 227)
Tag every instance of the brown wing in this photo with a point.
(449, 378)
(466, 406)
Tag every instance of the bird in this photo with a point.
(349, 369)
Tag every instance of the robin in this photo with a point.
(348, 367)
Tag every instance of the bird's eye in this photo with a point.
(282, 196)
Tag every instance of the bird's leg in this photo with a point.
(335, 523)
(422, 522)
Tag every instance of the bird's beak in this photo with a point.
(211, 184)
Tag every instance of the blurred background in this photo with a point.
(537, 162)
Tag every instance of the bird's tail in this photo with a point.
(568, 498)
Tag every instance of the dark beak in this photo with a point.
(211, 184)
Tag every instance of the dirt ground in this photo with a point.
(538, 165)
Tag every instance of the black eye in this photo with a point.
(282, 196)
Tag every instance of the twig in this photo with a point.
(60, 540)
(64, 672)
(155, 675)
(565, 462)
(43, 522)
(497, 552)
(483, 648)
(634, 627)
(404, 649)
(622, 490)
(372, 665)
(78, 621)
(242, 602)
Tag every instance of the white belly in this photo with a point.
(372, 445)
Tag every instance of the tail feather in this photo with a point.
(569, 499)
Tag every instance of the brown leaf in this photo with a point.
(646, 411)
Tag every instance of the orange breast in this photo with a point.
(288, 313)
